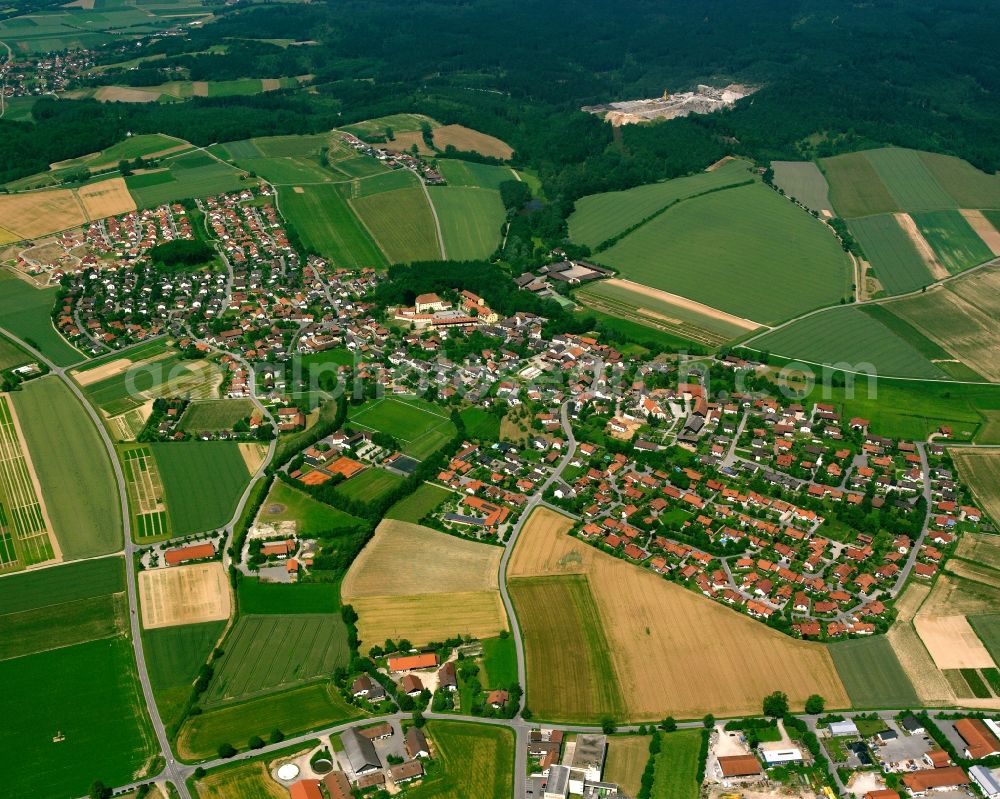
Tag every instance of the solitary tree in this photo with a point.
(227, 751)
(99, 790)
(608, 726)
(708, 721)
(669, 724)
(418, 719)
(776, 704)
(815, 705)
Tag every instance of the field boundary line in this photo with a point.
(67, 646)
(418, 408)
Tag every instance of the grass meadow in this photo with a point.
(872, 674)
(675, 774)
(471, 221)
(474, 760)
(401, 223)
(260, 598)
(855, 187)
(174, 656)
(285, 503)
(970, 187)
(414, 507)
(469, 173)
(202, 482)
(327, 224)
(987, 627)
(11, 355)
(73, 467)
(26, 312)
(188, 176)
(211, 416)
(745, 250)
(480, 423)
(897, 264)
(499, 661)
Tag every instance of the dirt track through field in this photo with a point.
(937, 269)
(979, 223)
(184, 595)
(683, 302)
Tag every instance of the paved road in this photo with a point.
(911, 559)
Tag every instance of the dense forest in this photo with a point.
(834, 76)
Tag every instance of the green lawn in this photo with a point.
(262, 598)
(312, 646)
(499, 662)
(370, 485)
(27, 313)
(472, 760)
(953, 240)
(328, 225)
(89, 695)
(897, 264)
(192, 175)
(803, 181)
(851, 338)
(414, 507)
(471, 221)
(676, 772)
(598, 217)
(401, 223)
(73, 467)
(292, 712)
(174, 655)
(202, 482)
(744, 250)
(285, 503)
(871, 673)
(214, 415)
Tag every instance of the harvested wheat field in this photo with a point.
(468, 140)
(544, 548)
(253, 455)
(184, 595)
(414, 582)
(124, 94)
(39, 213)
(97, 374)
(403, 142)
(930, 684)
(421, 618)
(6, 236)
(980, 549)
(984, 229)
(981, 472)
(627, 756)
(952, 643)
(106, 198)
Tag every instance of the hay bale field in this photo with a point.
(672, 651)
(952, 643)
(40, 213)
(981, 472)
(469, 140)
(415, 582)
(184, 595)
(106, 198)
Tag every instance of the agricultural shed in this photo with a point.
(305, 789)
(360, 752)
(847, 727)
(933, 778)
(416, 743)
(337, 785)
(410, 662)
(980, 742)
(185, 554)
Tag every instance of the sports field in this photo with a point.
(188, 176)
(174, 655)
(328, 225)
(74, 469)
(285, 503)
(419, 426)
(418, 504)
(212, 416)
(202, 482)
(296, 711)
(981, 472)
(477, 760)
(897, 264)
(802, 181)
(676, 772)
(872, 674)
(26, 312)
(471, 221)
(599, 217)
(850, 338)
(731, 249)
(274, 652)
(414, 582)
(954, 241)
(401, 223)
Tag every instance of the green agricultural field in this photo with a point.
(908, 180)
(898, 266)
(328, 225)
(191, 175)
(293, 712)
(73, 467)
(370, 485)
(414, 507)
(803, 181)
(499, 662)
(419, 426)
(135, 353)
(401, 223)
(855, 187)
(871, 673)
(202, 482)
(731, 249)
(67, 583)
(285, 503)
(26, 312)
(212, 416)
(953, 240)
(602, 216)
(480, 423)
(91, 701)
(58, 626)
(400, 123)
(970, 187)
(471, 760)
(675, 774)
(174, 655)
(851, 338)
(129, 389)
(988, 629)
(571, 675)
(380, 182)
(469, 173)
(358, 166)
(260, 598)
(906, 331)
(286, 171)
(471, 221)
